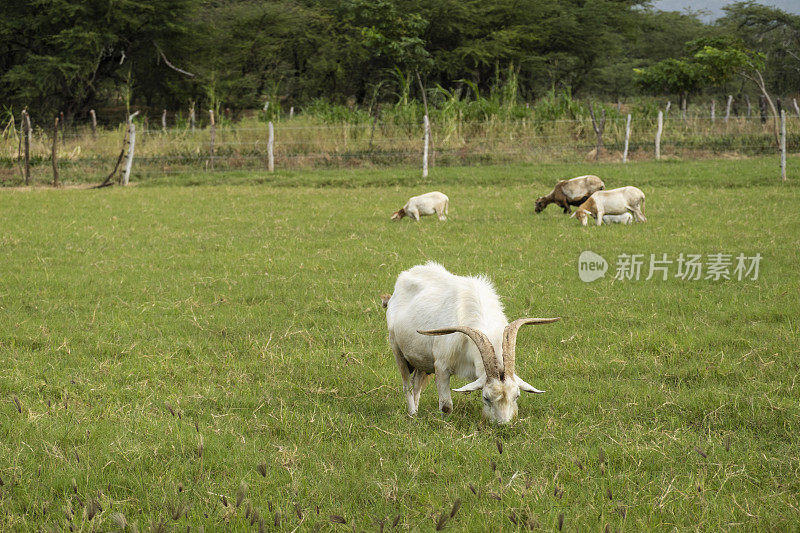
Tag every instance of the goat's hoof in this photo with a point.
(446, 409)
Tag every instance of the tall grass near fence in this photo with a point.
(467, 128)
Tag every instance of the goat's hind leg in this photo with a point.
(405, 374)
(638, 215)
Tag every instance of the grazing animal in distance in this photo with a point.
(446, 325)
(570, 192)
(624, 218)
(425, 204)
(613, 202)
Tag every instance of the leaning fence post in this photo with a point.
(666, 110)
(658, 134)
(26, 131)
(164, 120)
(783, 145)
(598, 129)
(126, 173)
(55, 153)
(213, 137)
(627, 139)
(713, 110)
(94, 122)
(796, 107)
(270, 148)
(728, 107)
(425, 124)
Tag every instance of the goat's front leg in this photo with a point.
(405, 375)
(443, 387)
(418, 380)
(599, 217)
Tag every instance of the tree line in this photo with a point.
(73, 55)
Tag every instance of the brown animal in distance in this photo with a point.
(571, 192)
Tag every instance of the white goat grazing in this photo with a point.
(424, 204)
(613, 202)
(429, 301)
(624, 218)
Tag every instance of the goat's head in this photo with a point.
(582, 215)
(541, 203)
(500, 386)
(400, 213)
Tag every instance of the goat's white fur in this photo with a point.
(624, 218)
(613, 202)
(428, 297)
(432, 203)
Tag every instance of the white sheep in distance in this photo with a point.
(425, 204)
(428, 304)
(624, 218)
(613, 202)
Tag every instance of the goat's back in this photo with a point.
(581, 187)
(429, 297)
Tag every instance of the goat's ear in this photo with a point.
(525, 386)
(475, 385)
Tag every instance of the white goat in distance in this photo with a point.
(431, 203)
(428, 304)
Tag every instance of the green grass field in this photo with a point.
(215, 356)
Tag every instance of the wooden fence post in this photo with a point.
(271, 148)
(728, 107)
(55, 153)
(94, 122)
(783, 145)
(191, 118)
(213, 138)
(627, 139)
(291, 112)
(425, 124)
(598, 129)
(374, 122)
(713, 110)
(164, 120)
(26, 132)
(749, 107)
(62, 124)
(658, 134)
(666, 110)
(684, 104)
(126, 173)
(796, 107)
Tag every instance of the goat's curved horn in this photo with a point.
(510, 340)
(481, 341)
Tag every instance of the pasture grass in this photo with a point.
(216, 356)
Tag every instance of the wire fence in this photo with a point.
(86, 154)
